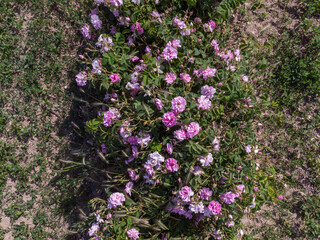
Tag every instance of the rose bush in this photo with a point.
(175, 127)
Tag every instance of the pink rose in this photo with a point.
(129, 185)
(193, 129)
(170, 78)
(169, 119)
(172, 165)
(169, 148)
(185, 193)
(185, 77)
(180, 134)
(116, 199)
(178, 104)
(133, 233)
(214, 207)
(115, 78)
(158, 103)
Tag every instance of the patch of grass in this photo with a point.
(38, 53)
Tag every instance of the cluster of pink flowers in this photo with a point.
(137, 27)
(169, 53)
(115, 78)
(186, 193)
(133, 233)
(159, 104)
(179, 23)
(95, 20)
(204, 103)
(185, 77)
(86, 31)
(96, 66)
(215, 207)
(187, 132)
(171, 165)
(110, 116)
(116, 3)
(206, 161)
(208, 73)
(170, 78)
(116, 199)
(209, 26)
(169, 119)
(154, 161)
(187, 201)
(104, 43)
(81, 79)
(228, 197)
(178, 105)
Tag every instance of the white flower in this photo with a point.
(197, 208)
(253, 204)
(256, 150)
(155, 159)
(205, 161)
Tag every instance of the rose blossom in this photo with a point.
(197, 208)
(205, 161)
(197, 171)
(180, 24)
(115, 78)
(109, 116)
(216, 144)
(143, 139)
(96, 22)
(129, 185)
(172, 165)
(96, 66)
(169, 148)
(205, 193)
(185, 77)
(81, 79)
(228, 197)
(176, 43)
(245, 78)
(137, 27)
(132, 175)
(134, 59)
(116, 199)
(133, 233)
(185, 193)
(170, 78)
(214, 207)
(208, 73)
(86, 31)
(178, 104)
(247, 148)
(155, 159)
(158, 103)
(215, 45)
(193, 129)
(208, 27)
(180, 134)
(169, 53)
(116, 3)
(208, 91)
(204, 103)
(169, 119)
